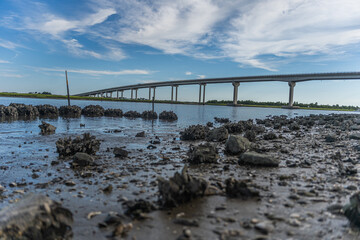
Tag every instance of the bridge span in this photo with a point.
(291, 79)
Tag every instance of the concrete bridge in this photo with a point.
(291, 79)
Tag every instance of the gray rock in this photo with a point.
(82, 159)
(120, 153)
(352, 209)
(180, 188)
(355, 136)
(330, 138)
(236, 145)
(25, 110)
(140, 134)
(264, 227)
(111, 112)
(68, 147)
(149, 115)
(270, 136)
(35, 217)
(70, 111)
(132, 114)
(257, 159)
(46, 128)
(47, 111)
(204, 153)
(168, 116)
(194, 132)
(93, 111)
(217, 134)
(8, 112)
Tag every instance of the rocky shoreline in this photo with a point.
(274, 178)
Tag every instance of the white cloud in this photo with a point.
(4, 61)
(201, 76)
(99, 72)
(188, 73)
(8, 44)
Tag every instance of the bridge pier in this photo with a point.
(131, 94)
(117, 94)
(291, 94)
(203, 97)
(154, 92)
(172, 93)
(176, 93)
(110, 94)
(235, 95)
(136, 93)
(149, 93)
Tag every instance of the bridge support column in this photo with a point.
(122, 93)
(154, 92)
(111, 94)
(235, 96)
(172, 93)
(117, 94)
(131, 93)
(199, 93)
(291, 93)
(204, 94)
(136, 93)
(149, 93)
(176, 93)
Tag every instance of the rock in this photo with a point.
(82, 159)
(46, 128)
(352, 209)
(168, 116)
(140, 134)
(330, 138)
(294, 127)
(136, 209)
(25, 110)
(209, 124)
(35, 217)
(180, 188)
(240, 189)
(122, 230)
(270, 136)
(70, 111)
(132, 114)
(239, 127)
(236, 145)
(355, 136)
(194, 132)
(204, 153)
(264, 227)
(8, 112)
(186, 222)
(250, 135)
(68, 147)
(111, 112)
(221, 120)
(108, 189)
(217, 134)
(149, 115)
(93, 111)
(258, 159)
(47, 111)
(120, 153)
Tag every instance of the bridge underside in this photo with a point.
(291, 79)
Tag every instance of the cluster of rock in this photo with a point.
(15, 110)
(194, 132)
(204, 153)
(69, 147)
(46, 128)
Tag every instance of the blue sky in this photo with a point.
(108, 43)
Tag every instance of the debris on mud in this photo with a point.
(204, 153)
(180, 188)
(70, 111)
(194, 132)
(168, 116)
(68, 147)
(138, 209)
(240, 189)
(258, 159)
(46, 128)
(35, 217)
(93, 111)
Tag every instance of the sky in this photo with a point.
(110, 43)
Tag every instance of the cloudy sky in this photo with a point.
(108, 43)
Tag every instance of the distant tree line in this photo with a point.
(303, 105)
(45, 93)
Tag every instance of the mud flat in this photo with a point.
(274, 178)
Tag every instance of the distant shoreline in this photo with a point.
(50, 96)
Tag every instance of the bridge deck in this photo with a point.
(263, 78)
